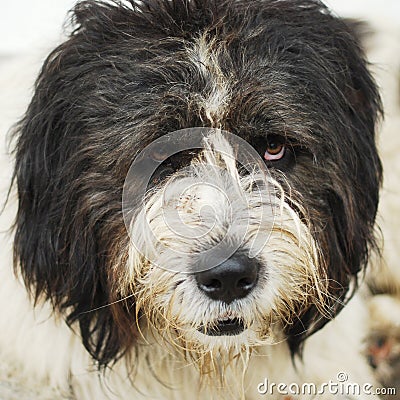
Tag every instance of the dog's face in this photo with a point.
(220, 254)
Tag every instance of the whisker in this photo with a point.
(107, 305)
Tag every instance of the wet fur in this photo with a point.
(130, 73)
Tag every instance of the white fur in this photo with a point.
(204, 55)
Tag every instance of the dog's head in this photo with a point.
(284, 77)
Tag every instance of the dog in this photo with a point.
(197, 184)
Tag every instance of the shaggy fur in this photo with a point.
(265, 70)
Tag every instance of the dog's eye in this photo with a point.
(275, 150)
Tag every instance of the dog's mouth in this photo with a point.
(224, 327)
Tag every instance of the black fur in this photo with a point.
(123, 78)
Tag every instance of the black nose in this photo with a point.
(233, 279)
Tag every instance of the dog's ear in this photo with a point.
(69, 231)
(347, 235)
(355, 210)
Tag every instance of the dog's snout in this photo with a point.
(233, 279)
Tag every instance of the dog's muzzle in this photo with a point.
(215, 247)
